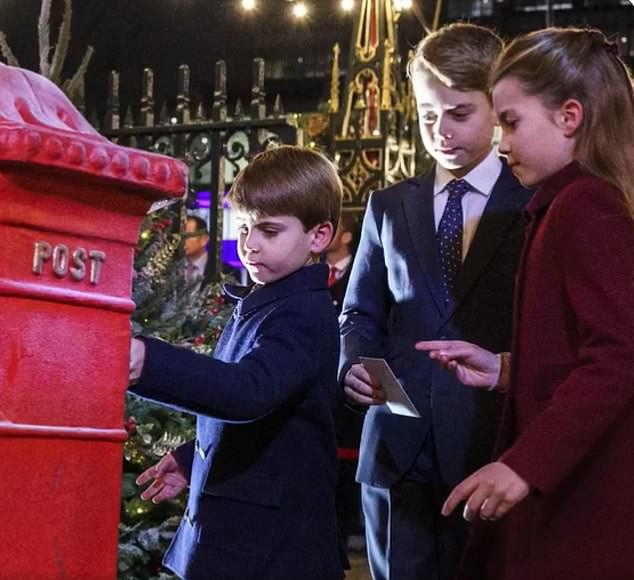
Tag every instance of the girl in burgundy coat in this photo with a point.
(565, 470)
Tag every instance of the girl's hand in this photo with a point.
(473, 366)
(490, 493)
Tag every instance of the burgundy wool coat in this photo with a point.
(568, 426)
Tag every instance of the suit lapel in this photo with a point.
(418, 206)
(500, 212)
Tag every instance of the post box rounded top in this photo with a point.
(39, 126)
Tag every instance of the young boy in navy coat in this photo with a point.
(261, 471)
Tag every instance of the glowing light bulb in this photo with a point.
(300, 10)
(402, 4)
(248, 4)
(347, 5)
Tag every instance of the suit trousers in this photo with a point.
(407, 537)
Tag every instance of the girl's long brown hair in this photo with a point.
(557, 64)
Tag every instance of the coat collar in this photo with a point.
(306, 279)
(418, 206)
(547, 191)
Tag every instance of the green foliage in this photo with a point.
(171, 308)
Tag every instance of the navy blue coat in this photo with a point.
(394, 299)
(263, 466)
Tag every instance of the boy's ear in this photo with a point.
(323, 234)
(569, 116)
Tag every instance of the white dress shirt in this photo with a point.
(197, 267)
(481, 180)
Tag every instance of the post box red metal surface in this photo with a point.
(71, 204)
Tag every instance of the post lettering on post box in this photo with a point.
(63, 261)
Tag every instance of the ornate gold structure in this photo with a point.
(371, 137)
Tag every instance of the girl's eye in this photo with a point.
(243, 230)
(270, 233)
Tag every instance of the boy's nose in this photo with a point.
(443, 128)
(250, 244)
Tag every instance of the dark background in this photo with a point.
(129, 35)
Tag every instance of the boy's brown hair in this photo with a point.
(460, 55)
(293, 181)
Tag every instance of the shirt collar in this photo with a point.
(481, 178)
(199, 263)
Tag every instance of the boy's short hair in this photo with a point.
(290, 180)
(460, 55)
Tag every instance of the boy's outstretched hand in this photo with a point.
(169, 480)
(473, 366)
(490, 493)
(360, 389)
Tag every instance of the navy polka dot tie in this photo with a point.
(449, 236)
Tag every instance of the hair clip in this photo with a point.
(611, 48)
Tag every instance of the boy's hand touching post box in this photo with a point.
(137, 359)
(361, 389)
(169, 480)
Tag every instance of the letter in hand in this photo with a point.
(168, 480)
(490, 493)
(473, 366)
(361, 389)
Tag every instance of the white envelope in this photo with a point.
(398, 401)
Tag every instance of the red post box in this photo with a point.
(71, 204)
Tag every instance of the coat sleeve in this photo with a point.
(284, 363)
(596, 249)
(363, 319)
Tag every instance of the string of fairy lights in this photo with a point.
(301, 9)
